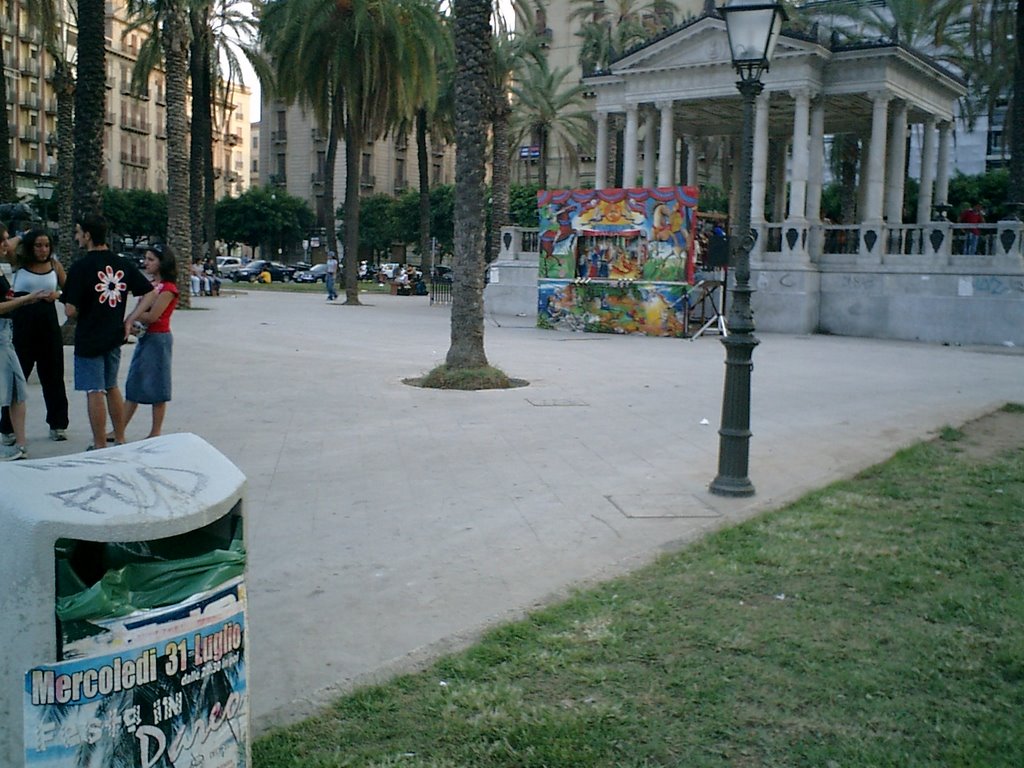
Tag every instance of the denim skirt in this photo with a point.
(149, 376)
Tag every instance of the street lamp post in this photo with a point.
(753, 29)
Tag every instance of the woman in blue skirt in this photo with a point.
(149, 376)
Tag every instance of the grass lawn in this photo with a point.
(878, 622)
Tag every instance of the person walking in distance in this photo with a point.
(37, 335)
(331, 275)
(149, 375)
(974, 216)
(96, 293)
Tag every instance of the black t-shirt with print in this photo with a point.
(98, 285)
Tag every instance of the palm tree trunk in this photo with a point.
(6, 175)
(473, 103)
(423, 163)
(64, 85)
(1016, 189)
(201, 145)
(542, 171)
(500, 178)
(90, 102)
(179, 232)
(353, 144)
(209, 209)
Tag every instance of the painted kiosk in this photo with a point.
(617, 260)
(124, 642)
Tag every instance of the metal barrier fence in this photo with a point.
(440, 292)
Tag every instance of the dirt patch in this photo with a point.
(991, 435)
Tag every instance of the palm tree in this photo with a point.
(609, 29)
(175, 34)
(512, 50)
(473, 105)
(356, 66)
(90, 102)
(550, 113)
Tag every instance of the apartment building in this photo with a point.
(293, 156)
(135, 135)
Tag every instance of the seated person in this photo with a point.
(402, 282)
(265, 276)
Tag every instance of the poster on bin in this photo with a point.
(155, 690)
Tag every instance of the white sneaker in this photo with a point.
(14, 453)
(58, 435)
(7, 438)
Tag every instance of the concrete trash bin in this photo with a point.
(124, 640)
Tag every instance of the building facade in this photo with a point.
(293, 157)
(135, 134)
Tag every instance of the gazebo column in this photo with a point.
(759, 180)
(780, 152)
(942, 169)
(601, 169)
(928, 161)
(691, 161)
(794, 231)
(895, 178)
(630, 150)
(666, 145)
(871, 231)
(650, 147)
(815, 174)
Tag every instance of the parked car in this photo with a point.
(315, 274)
(250, 273)
(226, 265)
(442, 274)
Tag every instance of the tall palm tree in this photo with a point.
(549, 113)
(175, 36)
(512, 50)
(167, 25)
(473, 106)
(1016, 118)
(90, 103)
(201, 128)
(356, 66)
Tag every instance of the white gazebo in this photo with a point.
(681, 88)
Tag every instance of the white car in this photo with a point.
(228, 264)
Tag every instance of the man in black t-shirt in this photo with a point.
(96, 293)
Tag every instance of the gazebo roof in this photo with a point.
(691, 66)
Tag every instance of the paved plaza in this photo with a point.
(388, 523)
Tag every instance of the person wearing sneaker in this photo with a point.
(37, 336)
(13, 390)
(96, 293)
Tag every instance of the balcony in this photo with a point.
(29, 100)
(316, 179)
(232, 139)
(368, 181)
(318, 136)
(31, 34)
(109, 118)
(135, 124)
(161, 132)
(217, 173)
(130, 158)
(111, 82)
(400, 186)
(279, 137)
(30, 166)
(232, 178)
(51, 106)
(30, 67)
(160, 98)
(278, 179)
(29, 134)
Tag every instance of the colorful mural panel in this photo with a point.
(654, 309)
(618, 234)
(628, 252)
